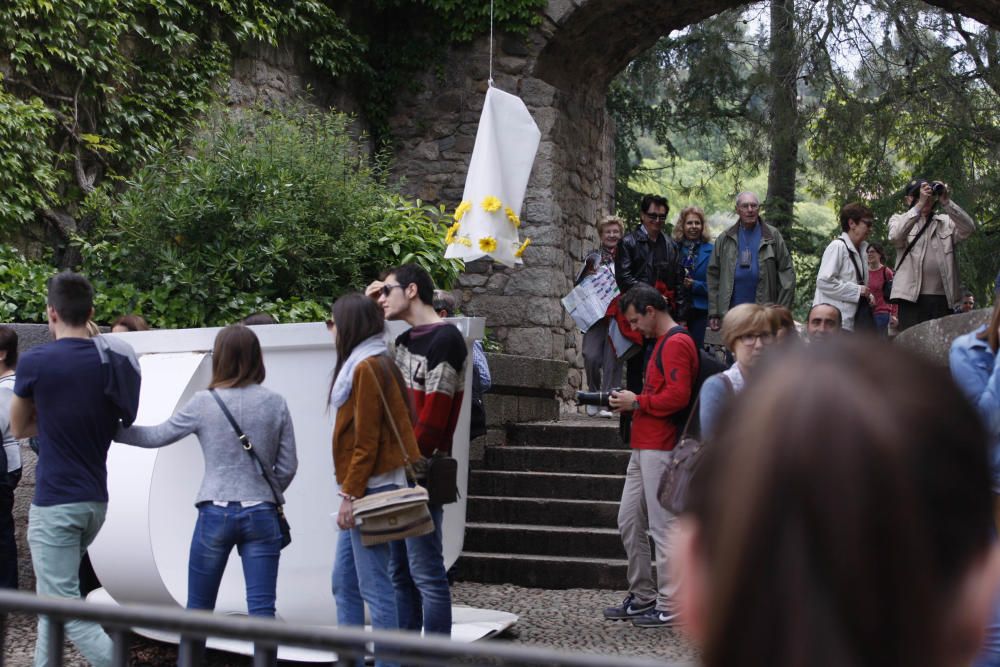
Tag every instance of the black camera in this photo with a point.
(938, 188)
(599, 398)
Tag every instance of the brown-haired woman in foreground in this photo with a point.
(842, 517)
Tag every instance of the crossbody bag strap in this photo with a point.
(857, 271)
(392, 422)
(247, 445)
(916, 238)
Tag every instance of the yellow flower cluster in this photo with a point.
(462, 209)
(513, 217)
(520, 251)
(464, 240)
(449, 237)
(491, 204)
(487, 244)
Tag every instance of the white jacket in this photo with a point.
(950, 226)
(837, 281)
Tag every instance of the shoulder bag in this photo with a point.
(886, 285)
(864, 316)
(684, 462)
(286, 530)
(393, 515)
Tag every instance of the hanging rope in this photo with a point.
(491, 44)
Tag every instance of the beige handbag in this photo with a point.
(397, 514)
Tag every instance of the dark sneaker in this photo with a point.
(628, 609)
(655, 618)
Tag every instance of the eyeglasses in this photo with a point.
(656, 216)
(330, 324)
(867, 221)
(387, 289)
(751, 338)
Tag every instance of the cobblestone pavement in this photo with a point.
(566, 619)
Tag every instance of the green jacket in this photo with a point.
(777, 275)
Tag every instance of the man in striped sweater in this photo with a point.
(432, 357)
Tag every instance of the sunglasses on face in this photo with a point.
(656, 216)
(387, 289)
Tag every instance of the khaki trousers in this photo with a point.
(640, 511)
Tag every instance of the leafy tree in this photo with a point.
(273, 210)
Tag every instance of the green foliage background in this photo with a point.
(104, 161)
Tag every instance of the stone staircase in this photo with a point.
(542, 508)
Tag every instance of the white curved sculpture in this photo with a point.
(141, 553)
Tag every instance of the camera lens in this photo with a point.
(937, 188)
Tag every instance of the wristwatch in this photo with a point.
(635, 404)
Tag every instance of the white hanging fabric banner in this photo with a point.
(488, 218)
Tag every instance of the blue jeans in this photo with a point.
(58, 536)
(882, 324)
(361, 574)
(416, 567)
(255, 533)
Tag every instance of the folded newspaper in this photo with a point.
(589, 300)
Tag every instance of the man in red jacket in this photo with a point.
(666, 392)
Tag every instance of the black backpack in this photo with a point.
(708, 366)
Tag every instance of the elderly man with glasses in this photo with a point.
(750, 264)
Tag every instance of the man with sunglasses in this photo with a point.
(750, 263)
(431, 355)
(646, 255)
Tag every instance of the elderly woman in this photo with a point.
(600, 362)
(842, 280)
(694, 249)
(746, 330)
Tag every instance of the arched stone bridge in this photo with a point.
(562, 71)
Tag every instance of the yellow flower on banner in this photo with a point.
(491, 204)
(520, 251)
(449, 237)
(513, 217)
(464, 240)
(462, 209)
(487, 244)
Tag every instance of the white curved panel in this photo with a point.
(141, 553)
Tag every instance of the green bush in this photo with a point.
(265, 210)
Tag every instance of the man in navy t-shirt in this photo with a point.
(59, 395)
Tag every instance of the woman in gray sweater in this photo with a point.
(236, 504)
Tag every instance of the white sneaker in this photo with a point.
(607, 414)
(591, 410)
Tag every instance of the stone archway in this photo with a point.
(562, 71)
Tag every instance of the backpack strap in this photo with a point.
(657, 351)
(930, 219)
(857, 271)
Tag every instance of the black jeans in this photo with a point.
(927, 307)
(8, 547)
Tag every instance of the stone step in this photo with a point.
(592, 433)
(552, 572)
(543, 511)
(559, 541)
(551, 459)
(546, 485)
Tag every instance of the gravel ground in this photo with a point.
(567, 619)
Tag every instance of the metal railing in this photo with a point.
(350, 644)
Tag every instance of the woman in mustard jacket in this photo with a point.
(367, 458)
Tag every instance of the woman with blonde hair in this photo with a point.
(747, 329)
(601, 365)
(694, 248)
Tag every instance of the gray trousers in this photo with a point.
(600, 363)
(640, 511)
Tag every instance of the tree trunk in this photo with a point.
(784, 134)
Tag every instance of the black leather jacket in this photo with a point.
(641, 260)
